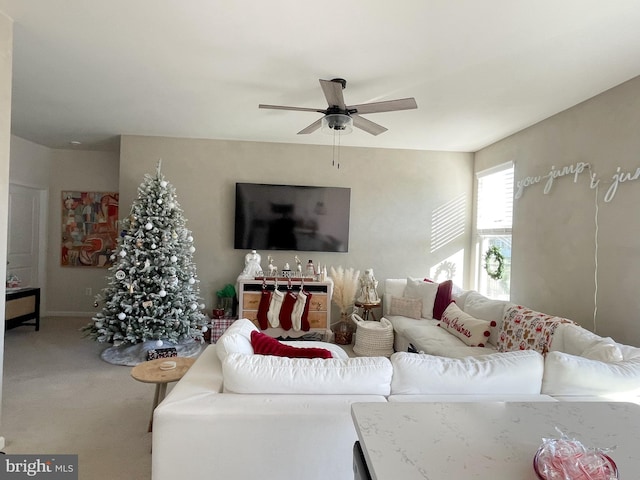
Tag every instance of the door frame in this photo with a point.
(42, 244)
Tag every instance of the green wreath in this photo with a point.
(494, 255)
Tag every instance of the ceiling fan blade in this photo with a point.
(387, 106)
(367, 125)
(311, 128)
(333, 93)
(296, 109)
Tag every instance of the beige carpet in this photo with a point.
(60, 397)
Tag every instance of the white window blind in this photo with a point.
(495, 198)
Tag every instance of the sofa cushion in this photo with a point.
(509, 373)
(443, 297)
(566, 374)
(281, 375)
(426, 333)
(484, 308)
(263, 344)
(406, 307)
(605, 350)
(433, 346)
(470, 330)
(576, 340)
(572, 339)
(425, 291)
(236, 338)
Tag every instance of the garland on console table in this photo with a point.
(493, 255)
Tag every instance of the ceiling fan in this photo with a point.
(339, 117)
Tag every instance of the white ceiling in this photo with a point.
(480, 70)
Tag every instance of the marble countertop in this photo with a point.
(488, 440)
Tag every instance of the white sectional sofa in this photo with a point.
(578, 364)
(239, 415)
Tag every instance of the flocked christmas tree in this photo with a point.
(153, 290)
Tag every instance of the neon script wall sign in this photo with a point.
(576, 169)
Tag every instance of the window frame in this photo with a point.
(484, 237)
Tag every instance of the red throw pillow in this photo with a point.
(443, 297)
(263, 344)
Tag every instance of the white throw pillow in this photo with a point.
(236, 339)
(425, 291)
(281, 375)
(506, 373)
(470, 330)
(566, 374)
(406, 307)
(605, 350)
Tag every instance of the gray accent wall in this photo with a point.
(394, 194)
(554, 234)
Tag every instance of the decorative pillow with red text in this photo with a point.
(263, 344)
(470, 330)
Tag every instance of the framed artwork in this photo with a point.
(89, 228)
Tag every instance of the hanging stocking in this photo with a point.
(304, 321)
(287, 307)
(298, 311)
(273, 315)
(263, 308)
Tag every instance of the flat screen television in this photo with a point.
(292, 217)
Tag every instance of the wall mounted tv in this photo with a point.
(292, 217)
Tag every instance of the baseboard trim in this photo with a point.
(68, 314)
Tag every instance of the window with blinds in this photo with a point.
(493, 227)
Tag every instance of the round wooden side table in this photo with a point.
(150, 372)
(367, 308)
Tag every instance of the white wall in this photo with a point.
(84, 171)
(6, 56)
(30, 163)
(30, 167)
(393, 196)
(553, 266)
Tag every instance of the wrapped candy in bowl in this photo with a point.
(568, 459)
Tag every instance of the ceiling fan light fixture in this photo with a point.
(337, 123)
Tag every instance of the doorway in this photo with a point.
(26, 235)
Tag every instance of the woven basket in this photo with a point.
(373, 339)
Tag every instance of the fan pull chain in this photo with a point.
(333, 152)
(334, 162)
(339, 138)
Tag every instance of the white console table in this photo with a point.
(487, 441)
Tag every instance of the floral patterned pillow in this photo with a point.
(526, 329)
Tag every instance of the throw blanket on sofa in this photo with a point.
(525, 329)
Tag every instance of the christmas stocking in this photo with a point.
(263, 308)
(273, 315)
(304, 321)
(286, 310)
(298, 310)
